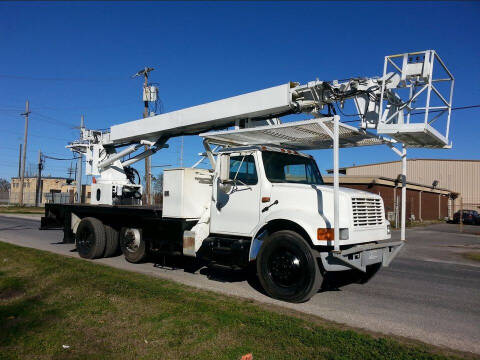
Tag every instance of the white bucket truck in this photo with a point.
(262, 202)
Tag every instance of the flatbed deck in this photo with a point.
(59, 216)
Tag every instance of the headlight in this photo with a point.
(388, 228)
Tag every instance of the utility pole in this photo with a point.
(78, 198)
(148, 175)
(22, 175)
(20, 162)
(38, 192)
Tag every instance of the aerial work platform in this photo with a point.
(425, 88)
(299, 135)
(416, 135)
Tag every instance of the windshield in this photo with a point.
(282, 168)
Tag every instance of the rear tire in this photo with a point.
(111, 241)
(90, 238)
(133, 245)
(287, 268)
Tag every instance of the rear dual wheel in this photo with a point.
(95, 240)
(90, 238)
(111, 241)
(287, 268)
(133, 245)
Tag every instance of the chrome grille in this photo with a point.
(367, 211)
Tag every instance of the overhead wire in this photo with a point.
(417, 113)
(95, 79)
(52, 120)
(55, 158)
(37, 136)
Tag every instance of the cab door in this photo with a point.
(237, 211)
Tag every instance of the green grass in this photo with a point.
(47, 301)
(475, 256)
(21, 210)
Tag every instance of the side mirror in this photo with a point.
(224, 174)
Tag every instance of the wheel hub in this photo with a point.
(85, 239)
(285, 268)
(132, 239)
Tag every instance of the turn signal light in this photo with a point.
(265, 199)
(324, 234)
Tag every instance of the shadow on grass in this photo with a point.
(21, 314)
(333, 281)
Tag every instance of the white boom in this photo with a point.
(224, 113)
(379, 103)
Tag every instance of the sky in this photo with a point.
(74, 58)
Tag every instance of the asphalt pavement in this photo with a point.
(431, 292)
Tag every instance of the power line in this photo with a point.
(423, 112)
(39, 136)
(95, 79)
(55, 158)
(453, 108)
(83, 108)
(466, 107)
(11, 109)
(46, 118)
(52, 120)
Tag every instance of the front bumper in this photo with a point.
(360, 256)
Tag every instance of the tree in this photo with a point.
(158, 183)
(4, 185)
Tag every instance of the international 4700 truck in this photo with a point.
(262, 202)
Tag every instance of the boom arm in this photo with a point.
(263, 107)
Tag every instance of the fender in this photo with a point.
(300, 219)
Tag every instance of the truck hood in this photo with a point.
(315, 202)
(324, 188)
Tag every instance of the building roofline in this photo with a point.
(398, 161)
(382, 180)
(43, 177)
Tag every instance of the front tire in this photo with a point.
(287, 268)
(90, 238)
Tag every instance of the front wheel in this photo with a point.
(287, 268)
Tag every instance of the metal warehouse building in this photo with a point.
(423, 202)
(460, 176)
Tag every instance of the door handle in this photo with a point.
(266, 208)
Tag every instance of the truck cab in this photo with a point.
(265, 184)
(269, 206)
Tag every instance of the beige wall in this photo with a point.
(48, 185)
(30, 188)
(462, 176)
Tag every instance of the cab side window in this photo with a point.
(245, 166)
